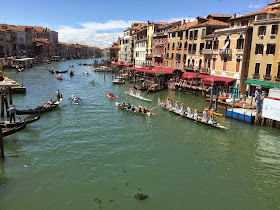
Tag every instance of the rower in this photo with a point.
(170, 105)
(195, 116)
(128, 106)
(167, 102)
(139, 109)
(204, 118)
(189, 111)
(177, 106)
(182, 109)
(211, 116)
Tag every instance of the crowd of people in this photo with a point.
(139, 109)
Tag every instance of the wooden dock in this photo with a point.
(16, 87)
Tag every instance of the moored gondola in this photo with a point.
(9, 131)
(60, 71)
(41, 109)
(7, 124)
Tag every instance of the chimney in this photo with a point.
(234, 15)
(148, 22)
(184, 21)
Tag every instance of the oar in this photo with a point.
(225, 122)
(52, 96)
(179, 116)
(196, 121)
(154, 107)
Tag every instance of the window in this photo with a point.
(187, 34)
(270, 49)
(190, 48)
(195, 34)
(274, 29)
(257, 68)
(244, 23)
(191, 34)
(225, 64)
(168, 46)
(214, 64)
(179, 46)
(186, 45)
(268, 69)
(167, 55)
(262, 30)
(237, 65)
(259, 49)
(171, 55)
(185, 57)
(173, 35)
(173, 46)
(278, 73)
(240, 43)
(167, 63)
(216, 45)
(203, 33)
(194, 48)
(232, 24)
(201, 47)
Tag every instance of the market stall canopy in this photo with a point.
(262, 83)
(208, 79)
(165, 70)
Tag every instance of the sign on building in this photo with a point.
(271, 108)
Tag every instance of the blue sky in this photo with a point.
(99, 23)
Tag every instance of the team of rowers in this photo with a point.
(181, 109)
(139, 109)
(136, 92)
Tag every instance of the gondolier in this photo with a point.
(58, 95)
(12, 111)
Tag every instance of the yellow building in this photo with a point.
(264, 68)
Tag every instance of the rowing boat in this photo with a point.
(41, 109)
(60, 71)
(74, 101)
(110, 95)
(199, 119)
(58, 77)
(134, 110)
(139, 97)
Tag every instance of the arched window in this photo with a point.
(186, 45)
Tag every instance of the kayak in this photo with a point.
(110, 95)
(139, 97)
(134, 110)
(58, 77)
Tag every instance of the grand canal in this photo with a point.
(95, 156)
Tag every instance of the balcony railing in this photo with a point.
(159, 44)
(239, 51)
(149, 55)
(160, 34)
(192, 52)
(225, 51)
(157, 55)
(256, 75)
(207, 51)
(267, 77)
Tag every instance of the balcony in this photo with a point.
(207, 51)
(256, 75)
(157, 55)
(205, 71)
(159, 44)
(267, 77)
(149, 55)
(239, 51)
(277, 78)
(225, 52)
(192, 52)
(160, 34)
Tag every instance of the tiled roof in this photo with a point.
(272, 8)
(8, 27)
(34, 28)
(219, 15)
(161, 23)
(210, 23)
(185, 26)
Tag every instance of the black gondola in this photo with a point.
(52, 71)
(19, 127)
(7, 124)
(60, 71)
(40, 109)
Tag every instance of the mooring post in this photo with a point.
(1, 144)
(7, 105)
(2, 105)
(10, 96)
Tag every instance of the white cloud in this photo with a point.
(93, 33)
(255, 5)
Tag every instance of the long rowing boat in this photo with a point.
(139, 97)
(40, 109)
(199, 119)
(134, 110)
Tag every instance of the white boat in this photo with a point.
(139, 97)
(86, 73)
(118, 80)
(134, 110)
(199, 119)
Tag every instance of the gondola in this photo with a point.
(52, 71)
(134, 110)
(178, 112)
(40, 109)
(7, 124)
(71, 73)
(20, 70)
(9, 131)
(60, 71)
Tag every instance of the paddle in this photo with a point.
(154, 107)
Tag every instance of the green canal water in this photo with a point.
(95, 156)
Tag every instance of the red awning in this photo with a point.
(189, 75)
(165, 70)
(208, 79)
(128, 64)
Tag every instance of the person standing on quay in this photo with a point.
(12, 111)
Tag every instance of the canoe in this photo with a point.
(139, 97)
(60, 71)
(58, 77)
(9, 131)
(110, 95)
(41, 109)
(178, 112)
(148, 114)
